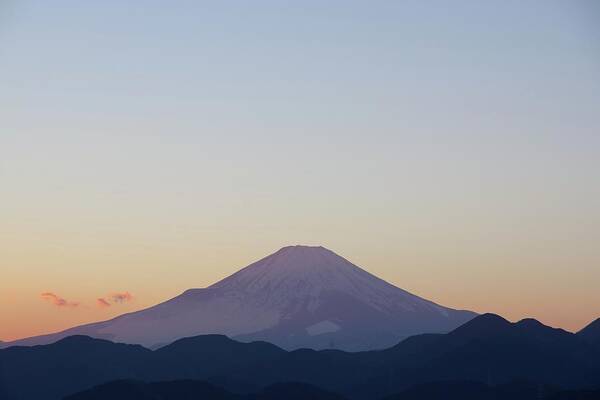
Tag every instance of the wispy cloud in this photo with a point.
(121, 297)
(102, 302)
(57, 300)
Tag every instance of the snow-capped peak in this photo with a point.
(307, 271)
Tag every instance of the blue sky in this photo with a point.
(205, 135)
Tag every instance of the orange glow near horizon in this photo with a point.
(24, 314)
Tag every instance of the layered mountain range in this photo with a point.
(268, 331)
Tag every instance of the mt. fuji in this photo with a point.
(298, 297)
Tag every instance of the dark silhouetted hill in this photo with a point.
(294, 391)
(492, 350)
(221, 355)
(136, 390)
(194, 390)
(591, 333)
(576, 395)
(481, 391)
(71, 364)
(487, 349)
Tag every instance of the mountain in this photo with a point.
(589, 394)
(453, 390)
(73, 363)
(76, 363)
(192, 390)
(298, 297)
(294, 391)
(591, 333)
(461, 390)
(180, 360)
(487, 349)
(136, 390)
(518, 390)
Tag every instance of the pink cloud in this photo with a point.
(102, 303)
(121, 297)
(57, 300)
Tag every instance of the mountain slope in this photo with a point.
(300, 296)
(591, 333)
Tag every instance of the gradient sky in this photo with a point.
(452, 148)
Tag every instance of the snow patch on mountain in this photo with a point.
(322, 327)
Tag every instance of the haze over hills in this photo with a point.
(300, 296)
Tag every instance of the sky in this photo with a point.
(451, 148)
